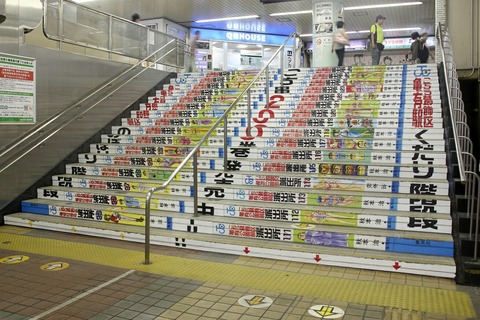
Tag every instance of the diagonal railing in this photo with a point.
(193, 153)
(467, 163)
(160, 48)
(32, 139)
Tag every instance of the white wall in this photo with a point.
(464, 28)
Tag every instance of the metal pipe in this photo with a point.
(195, 184)
(267, 85)
(147, 229)
(477, 216)
(461, 166)
(60, 24)
(110, 37)
(225, 145)
(282, 67)
(249, 109)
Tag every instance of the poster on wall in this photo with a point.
(323, 27)
(17, 89)
(324, 19)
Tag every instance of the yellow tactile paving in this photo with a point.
(407, 297)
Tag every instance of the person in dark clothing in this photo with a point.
(414, 46)
(423, 52)
(135, 17)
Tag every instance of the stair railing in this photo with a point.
(68, 22)
(467, 163)
(160, 48)
(32, 139)
(450, 74)
(193, 153)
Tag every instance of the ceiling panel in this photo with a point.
(185, 12)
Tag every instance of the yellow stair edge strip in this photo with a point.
(408, 297)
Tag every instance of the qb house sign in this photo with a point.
(249, 37)
(17, 89)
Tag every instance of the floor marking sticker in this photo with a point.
(14, 259)
(326, 312)
(255, 301)
(54, 266)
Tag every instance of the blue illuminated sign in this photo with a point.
(237, 36)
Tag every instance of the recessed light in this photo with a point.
(385, 5)
(227, 18)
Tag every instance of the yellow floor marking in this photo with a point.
(400, 296)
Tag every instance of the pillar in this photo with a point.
(325, 16)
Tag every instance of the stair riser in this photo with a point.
(298, 218)
(297, 200)
(358, 157)
(313, 183)
(300, 143)
(328, 170)
(201, 130)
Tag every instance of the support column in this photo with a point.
(325, 16)
(440, 17)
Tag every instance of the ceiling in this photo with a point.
(185, 12)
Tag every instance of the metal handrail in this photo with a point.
(145, 36)
(30, 136)
(193, 152)
(461, 165)
(475, 183)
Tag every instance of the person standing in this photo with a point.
(423, 52)
(192, 66)
(340, 40)
(376, 39)
(415, 46)
(298, 52)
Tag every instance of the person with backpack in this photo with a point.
(423, 52)
(376, 39)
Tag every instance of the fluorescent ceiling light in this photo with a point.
(82, 1)
(386, 5)
(306, 35)
(228, 18)
(386, 30)
(289, 13)
(242, 46)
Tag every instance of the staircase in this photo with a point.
(342, 166)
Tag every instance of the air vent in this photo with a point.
(360, 13)
(275, 1)
(284, 19)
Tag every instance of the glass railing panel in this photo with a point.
(129, 39)
(69, 22)
(51, 19)
(85, 27)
